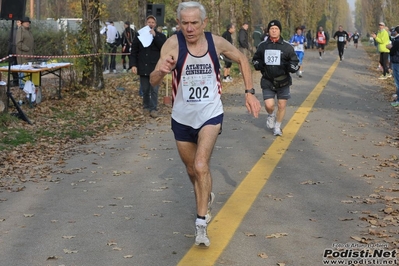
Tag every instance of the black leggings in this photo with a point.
(341, 47)
(384, 62)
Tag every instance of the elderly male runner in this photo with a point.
(197, 113)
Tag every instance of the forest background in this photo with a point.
(308, 13)
(292, 13)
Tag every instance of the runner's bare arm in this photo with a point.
(166, 62)
(230, 51)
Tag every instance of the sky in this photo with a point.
(351, 4)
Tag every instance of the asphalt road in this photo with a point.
(128, 201)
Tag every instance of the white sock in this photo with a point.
(278, 124)
(200, 221)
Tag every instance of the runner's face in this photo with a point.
(191, 25)
(274, 32)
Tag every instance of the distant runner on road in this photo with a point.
(321, 41)
(275, 59)
(342, 37)
(356, 37)
(298, 41)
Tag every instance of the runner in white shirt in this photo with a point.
(197, 113)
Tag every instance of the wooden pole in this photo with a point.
(31, 9)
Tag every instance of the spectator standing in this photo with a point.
(275, 59)
(230, 29)
(176, 29)
(143, 61)
(309, 39)
(265, 34)
(111, 46)
(127, 41)
(257, 36)
(394, 53)
(382, 39)
(298, 41)
(342, 37)
(197, 117)
(13, 50)
(165, 31)
(243, 42)
(24, 42)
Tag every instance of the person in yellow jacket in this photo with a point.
(383, 39)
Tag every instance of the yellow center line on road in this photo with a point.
(226, 222)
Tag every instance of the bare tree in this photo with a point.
(142, 12)
(232, 11)
(91, 42)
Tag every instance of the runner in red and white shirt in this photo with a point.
(321, 41)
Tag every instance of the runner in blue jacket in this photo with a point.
(298, 41)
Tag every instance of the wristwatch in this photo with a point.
(252, 91)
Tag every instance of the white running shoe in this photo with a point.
(106, 72)
(299, 74)
(271, 120)
(201, 236)
(230, 78)
(227, 80)
(320, 57)
(277, 131)
(208, 216)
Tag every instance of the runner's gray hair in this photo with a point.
(186, 5)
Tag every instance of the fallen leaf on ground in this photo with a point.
(68, 237)
(68, 251)
(263, 255)
(111, 243)
(277, 235)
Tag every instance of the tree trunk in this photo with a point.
(91, 42)
(232, 11)
(142, 12)
(215, 29)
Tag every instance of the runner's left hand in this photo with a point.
(252, 104)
